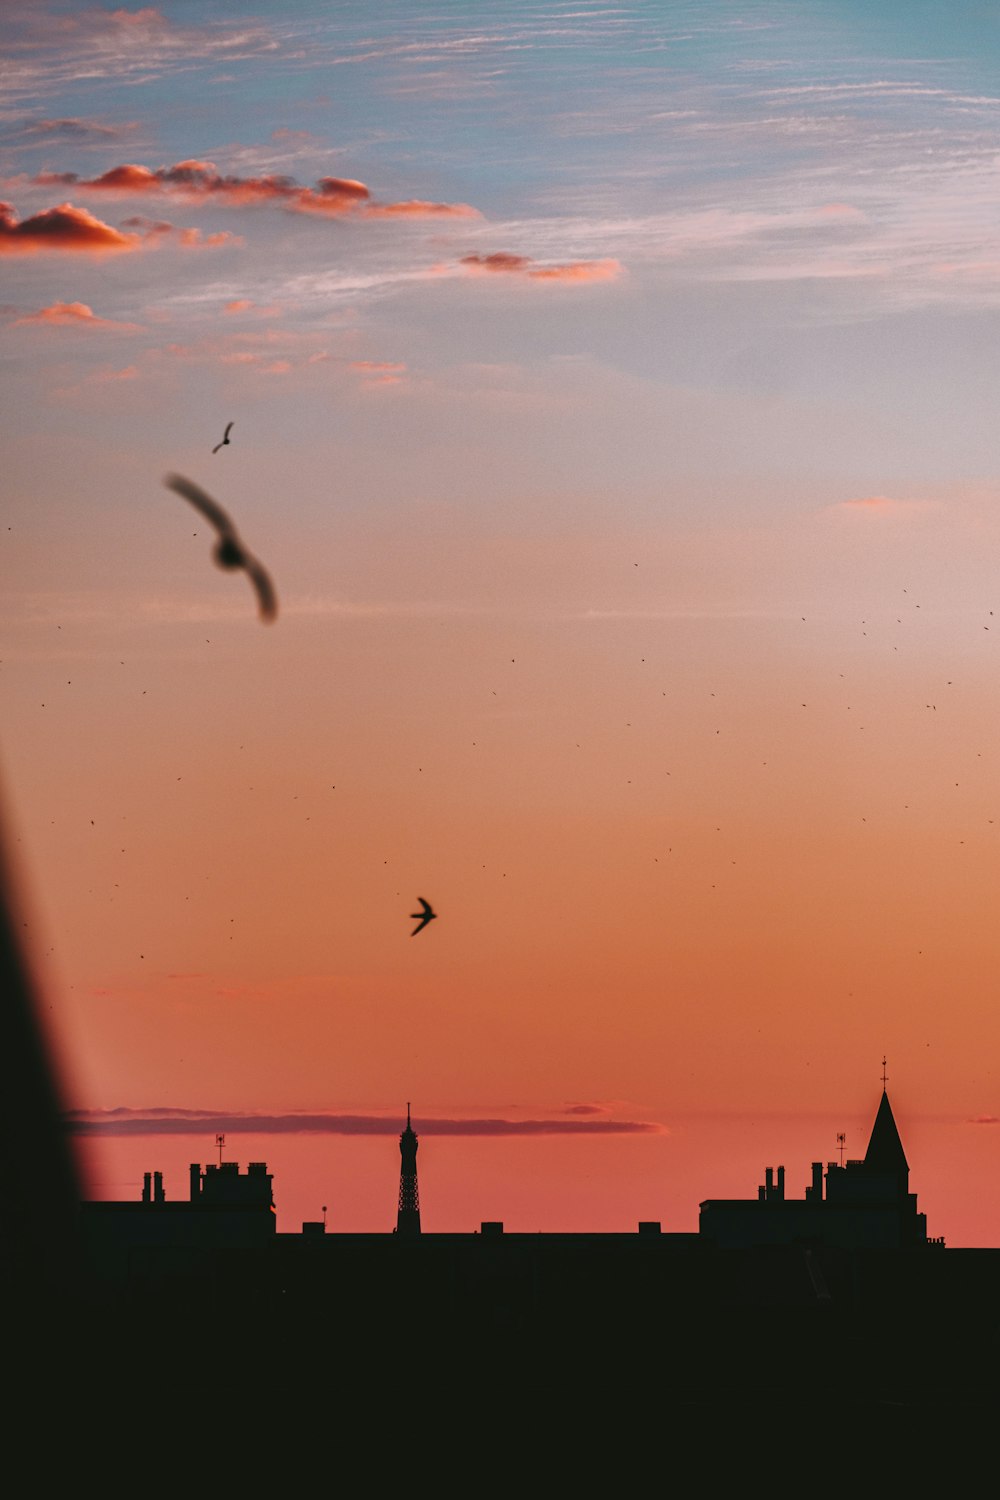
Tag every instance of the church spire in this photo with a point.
(408, 1214)
(885, 1149)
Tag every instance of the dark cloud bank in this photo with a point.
(193, 1122)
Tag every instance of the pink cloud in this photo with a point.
(195, 179)
(73, 315)
(332, 195)
(377, 373)
(246, 305)
(264, 350)
(189, 239)
(417, 208)
(193, 239)
(374, 366)
(501, 262)
(104, 377)
(62, 228)
(579, 270)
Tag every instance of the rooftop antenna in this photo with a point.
(841, 1143)
(220, 1141)
(324, 1218)
(884, 1073)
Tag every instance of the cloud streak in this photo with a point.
(33, 132)
(418, 208)
(502, 263)
(196, 180)
(129, 1122)
(97, 42)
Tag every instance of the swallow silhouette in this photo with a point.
(230, 550)
(225, 438)
(422, 917)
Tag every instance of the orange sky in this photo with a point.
(628, 481)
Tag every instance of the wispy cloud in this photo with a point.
(71, 130)
(156, 230)
(418, 208)
(199, 1122)
(377, 373)
(502, 263)
(47, 49)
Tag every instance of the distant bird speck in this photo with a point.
(230, 550)
(422, 917)
(225, 438)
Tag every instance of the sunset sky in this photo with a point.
(615, 397)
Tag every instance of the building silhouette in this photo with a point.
(408, 1212)
(867, 1203)
(770, 1279)
(226, 1209)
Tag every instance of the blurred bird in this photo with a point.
(422, 917)
(230, 551)
(225, 438)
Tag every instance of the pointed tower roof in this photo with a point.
(885, 1149)
(408, 1213)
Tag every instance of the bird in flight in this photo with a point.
(230, 550)
(422, 917)
(225, 438)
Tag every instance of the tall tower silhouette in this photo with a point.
(408, 1214)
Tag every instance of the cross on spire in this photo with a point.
(885, 1075)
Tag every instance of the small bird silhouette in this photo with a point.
(422, 917)
(225, 438)
(230, 550)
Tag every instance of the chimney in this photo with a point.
(817, 1183)
(780, 1192)
(195, 1173)
(769, 1183)
(146, 1192)
(158, 1194)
